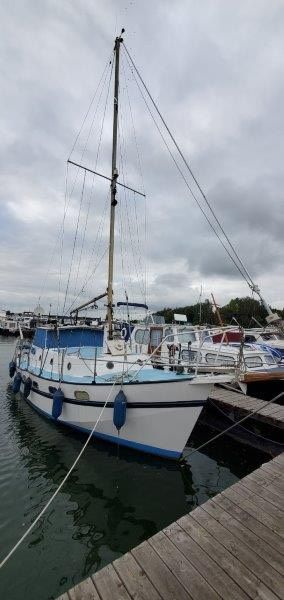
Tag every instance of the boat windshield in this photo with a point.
(186, 335)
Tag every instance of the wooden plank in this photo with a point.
(269, 470)
(84, 591)
(259, 501)
(277, 477)
(135, 579)
(185, 572)
(255, 543)
(274, 467)
(266, 412)
(266, 480)
(109, 585)
(159, 574)
(279, 459)
(231, 565)
(252, 509)
(262, 491)
(253, 562)
(251, 523)
(214, 574)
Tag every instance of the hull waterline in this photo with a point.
(156, 422)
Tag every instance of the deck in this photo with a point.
(271, 414)
(230, 547)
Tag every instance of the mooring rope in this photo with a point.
(232, 426)
(32, 525)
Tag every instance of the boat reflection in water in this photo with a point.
(111, 502)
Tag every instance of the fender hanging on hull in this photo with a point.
(58, 399)
(119, 410)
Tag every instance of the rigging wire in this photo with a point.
(66, 204)
(245, 271)
(93, 178)
(187, 184)
(85, 146)
(215, 437)
(137, 261)
(139, 161)
(74, 242)
(109, 61)
(130, 233)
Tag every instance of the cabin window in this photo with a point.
(221, 360)
(169, 332)
(69, 366)
(253, 361)
(250, 339)
(186, 335)
(109, 365)
(269, 359)
(81, 395)
(142, 336)
(268, 336)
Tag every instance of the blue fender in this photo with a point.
(12, 368)
(119, 410)
(57, 404)
(27, 387)
(17, 383)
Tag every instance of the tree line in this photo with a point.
(238, 310)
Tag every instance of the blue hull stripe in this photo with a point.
(113, 439)
(172, 404)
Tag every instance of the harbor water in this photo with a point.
(113, 500)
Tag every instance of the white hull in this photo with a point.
(160, 416)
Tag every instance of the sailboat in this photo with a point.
(96, 379)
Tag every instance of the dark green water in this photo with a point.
(109, 504)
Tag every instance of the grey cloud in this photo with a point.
(215, 70)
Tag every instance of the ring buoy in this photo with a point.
(123, 333)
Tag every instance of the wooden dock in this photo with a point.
(230, 547)
(240, 405)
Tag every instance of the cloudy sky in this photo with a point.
(215, 69)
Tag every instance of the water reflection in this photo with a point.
(108, 505)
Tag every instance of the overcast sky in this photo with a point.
(215, 69)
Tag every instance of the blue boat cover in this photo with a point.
(66, 338)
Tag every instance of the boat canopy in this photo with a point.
(69, 337)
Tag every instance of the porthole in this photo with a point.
(51, 361)
(109, 365)
(69, 366)
(81, 395)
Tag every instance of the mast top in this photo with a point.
(119, 39)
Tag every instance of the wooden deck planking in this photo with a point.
(232, 546)
(218, 578)
(272, 414)
(269, 577)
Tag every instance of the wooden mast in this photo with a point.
(113, 201)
